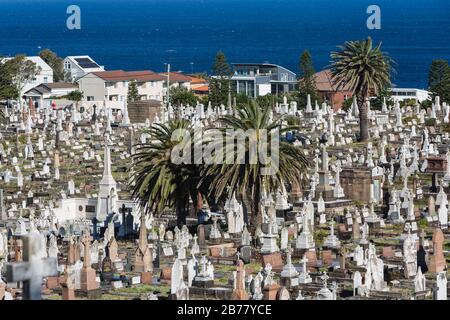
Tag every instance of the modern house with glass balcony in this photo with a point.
(260, 79)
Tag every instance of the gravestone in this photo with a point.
(33, 268)
(201, 235)
(436, 261)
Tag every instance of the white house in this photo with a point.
(401, 94)
(78, 66)
(49, 90)
(113, 85)
(45, 74)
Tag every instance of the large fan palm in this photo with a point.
(248, 179)
(158, 183)
(363, 69)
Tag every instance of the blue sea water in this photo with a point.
(142, 34)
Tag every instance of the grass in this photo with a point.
(423, 223)
(53, 297)
(143, 288)
(319, 235)
(115, 297)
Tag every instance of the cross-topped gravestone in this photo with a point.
(325, 277)
(87, 249)
(33, 268)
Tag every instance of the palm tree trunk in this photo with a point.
(181, 213)
(256, 214)
(363, 119)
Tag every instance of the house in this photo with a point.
(401, 94)
(329, 91)
(260, 79)
(77, 66)
(45, 74)
(199, 86)
(177, 80)
(113, 85)
(49, 90)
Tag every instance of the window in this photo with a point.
(67, 65)
(90, 209)
(45, 79)
(80, 208)
(90, 98)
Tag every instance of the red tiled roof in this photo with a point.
(324, 81)
(195, 80)
(204, 88)
(176, 77)
(120, 75)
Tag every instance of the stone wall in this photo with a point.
(139, 111)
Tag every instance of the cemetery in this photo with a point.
(368, 222)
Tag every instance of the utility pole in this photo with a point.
(168, 85)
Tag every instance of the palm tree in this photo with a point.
(158, 183)
(248, 179)
(361, 68)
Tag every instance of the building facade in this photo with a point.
(76, 67)
(328, 91)
(402, 94)
(113, 85)
(260, 79)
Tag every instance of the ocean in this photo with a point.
(140, 35)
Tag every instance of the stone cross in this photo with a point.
(33, 268)
(289, 255)
(423, 234)
(304, 261)
(204, 265)
(87, 250)
(325, 277)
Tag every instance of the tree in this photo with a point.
(240, 98)
(247, 178)
(55, 62)
(7, 88)
(181, 95)
(133, 93)
(219, 86)
(377, 102)
(157, 182)
(439, 79)
(75, 96)
(306, 83)
(361, 68)
(23, 71)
